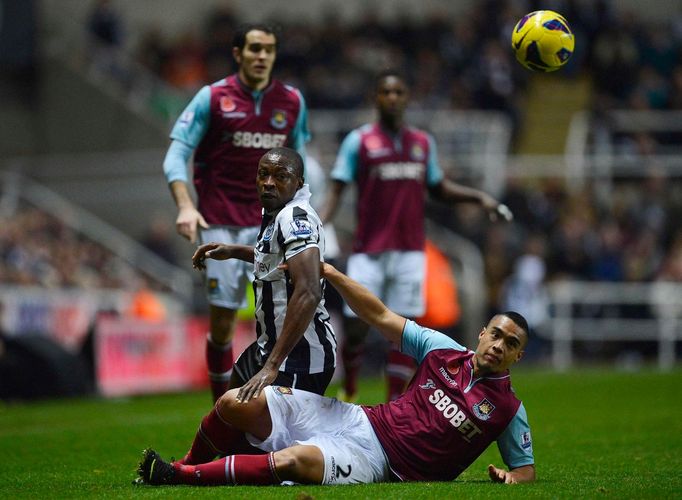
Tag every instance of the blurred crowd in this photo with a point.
(39, 249)
(461, 62)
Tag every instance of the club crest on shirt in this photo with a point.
(417, 152)
(301, 227)
(227, 104)
(285, 390)
(267, 235)
(278, 119)
(483, 409)
(430, 384)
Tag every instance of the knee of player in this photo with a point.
(227, 403)
(302, 464)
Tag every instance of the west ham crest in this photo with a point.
(483, 409)
(279, 119)
(417, 152)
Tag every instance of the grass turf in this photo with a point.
(595, 434)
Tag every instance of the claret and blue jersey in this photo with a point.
(392, 173)
(230, 127)
(447, 417)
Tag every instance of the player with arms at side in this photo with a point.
(457, 404)
(393, 166)
(228, 126)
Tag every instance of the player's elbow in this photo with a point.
(309, 296)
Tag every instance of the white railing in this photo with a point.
(664, 325)
(16, 187)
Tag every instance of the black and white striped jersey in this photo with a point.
(284, 234)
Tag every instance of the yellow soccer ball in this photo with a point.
(542, 41)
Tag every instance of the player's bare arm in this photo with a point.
(333, 198)
(188, 216)
(219, 251)
(525, 474)
(304, 273)
(367, 306)
(452, 192)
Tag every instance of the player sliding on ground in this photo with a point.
(458, 403)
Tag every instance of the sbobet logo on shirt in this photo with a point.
(454, 415)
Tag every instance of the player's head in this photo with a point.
(391, 95)
(254, 47)
(279, 176)
(501, 342)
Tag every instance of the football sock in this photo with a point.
(399, 370)
(234, 469)
(215, 437)
(219, 362)
(351, 356)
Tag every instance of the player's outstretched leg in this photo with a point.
(302, 464)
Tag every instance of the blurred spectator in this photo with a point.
(105, 30)
(160, 238)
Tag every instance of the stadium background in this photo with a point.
(588, 159)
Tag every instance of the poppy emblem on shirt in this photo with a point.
(483, 409)
(227, 104)
(279, 119)
(417, 152)
(372, 143)
(453, 367)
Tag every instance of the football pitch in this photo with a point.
(595, 434)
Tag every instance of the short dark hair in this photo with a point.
(519, 320)
(239, 39)
(385, 73)
(292, 156)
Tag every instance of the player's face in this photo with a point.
(391, 97)
(276, 182)
(500, 345)
(256, 58)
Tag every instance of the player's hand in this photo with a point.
(496, 211)
(214, 251)
(253, 387)
(187, 221)
(500, 475)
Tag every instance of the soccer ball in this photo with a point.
(542, 41)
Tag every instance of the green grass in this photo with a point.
(595, 434)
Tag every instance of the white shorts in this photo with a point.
(226, 280)
(351, 450)
(396, 277)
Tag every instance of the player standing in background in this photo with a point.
(393, 164)
(228, 126)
